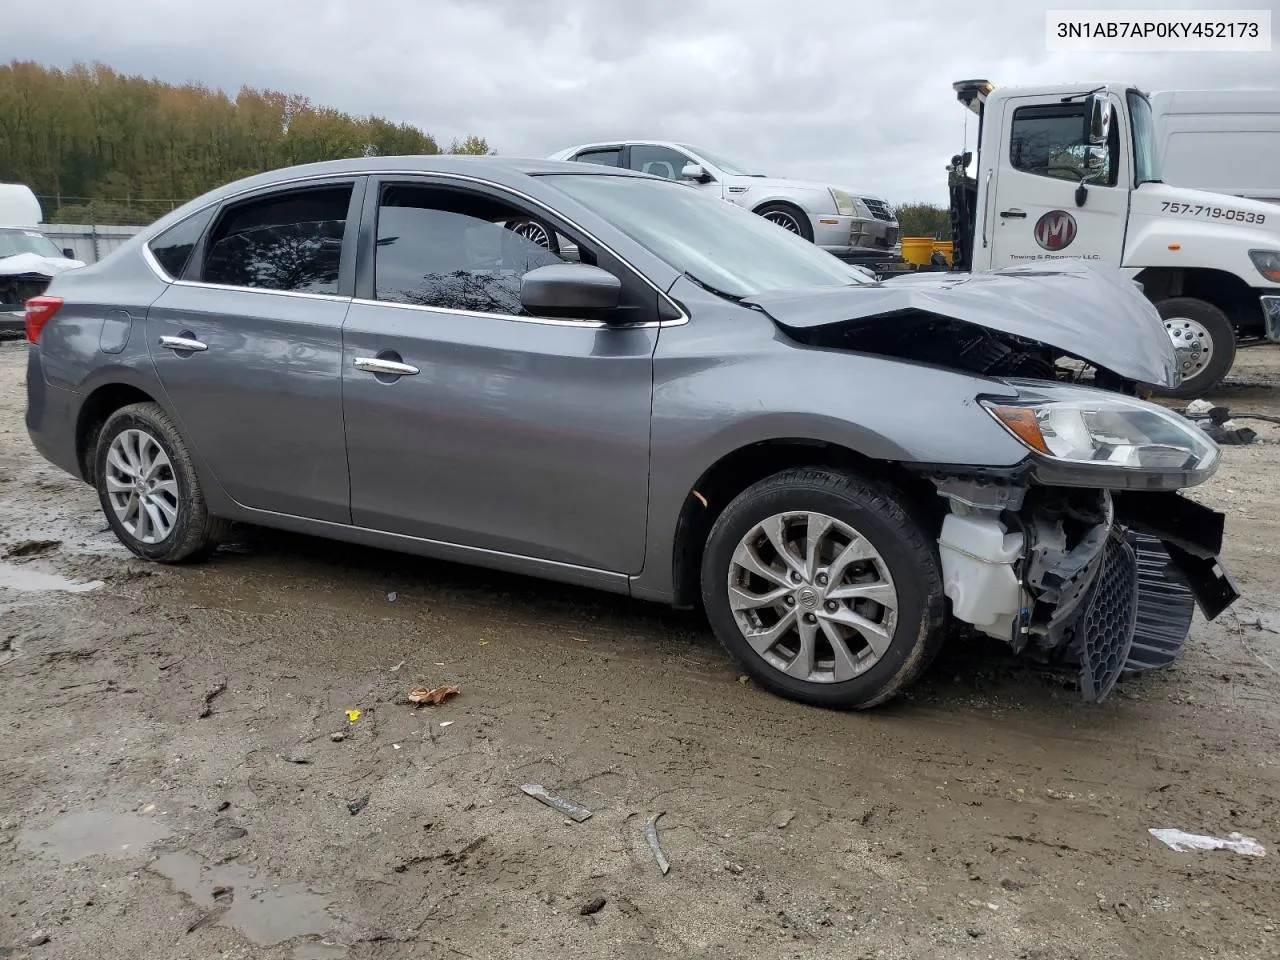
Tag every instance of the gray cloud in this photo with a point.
(852, 93)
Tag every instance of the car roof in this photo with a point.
(508, 171)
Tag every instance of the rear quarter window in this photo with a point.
(172, 248)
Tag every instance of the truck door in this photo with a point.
(1032, 213)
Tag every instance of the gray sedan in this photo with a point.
(605, 378)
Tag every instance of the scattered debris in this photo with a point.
(743, 679)
(32, 548)
(206, 705)
(783, 817)
(38, 939)
(392, 596)
(353, 716)
(1186, 842)
(337, 736)
(224, 894)
(225, 804)
(300, 761)
(432, 695)
(592, 906)
(355, 806)
(651, 834)
(396, 668)
(1219, 422)
(445, 723)
(575, 811)
(735, 868)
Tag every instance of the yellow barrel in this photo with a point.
(943, 247)
(917, 250)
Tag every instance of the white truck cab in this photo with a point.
(1072, 171)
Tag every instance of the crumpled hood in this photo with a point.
(26, 263)
(1094, 314)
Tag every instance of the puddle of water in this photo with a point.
(92, 833)
(21, 577)
(266, 915)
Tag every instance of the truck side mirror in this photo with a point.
(1098, 118)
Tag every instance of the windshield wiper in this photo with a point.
(710, 289)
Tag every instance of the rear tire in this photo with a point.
(1205, 342)
(867, 612)
(148, 488)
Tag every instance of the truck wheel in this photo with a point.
(789, 218)
(1204, 341)
(826, 590)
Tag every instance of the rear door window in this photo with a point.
(289, 241)
(611, 157)
(172, 249)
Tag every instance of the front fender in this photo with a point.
(1190, 244)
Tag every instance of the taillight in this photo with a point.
(40, 310)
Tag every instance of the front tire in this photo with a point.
(1204, 341)
(148, 488)
(823, 586)
(789, 218)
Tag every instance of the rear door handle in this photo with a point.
(387, 367)
(183, 343)
(1014, 214)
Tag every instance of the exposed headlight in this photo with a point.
(1108, 431)
(844, 202)
(1267, 262)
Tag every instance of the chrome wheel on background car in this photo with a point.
(141, 486)
(824, 587)
(783, 218)
(812, 597)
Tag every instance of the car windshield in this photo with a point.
(14, 242)
(1146, 166)
(726, 166)
(718, 244)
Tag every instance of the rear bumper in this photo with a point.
(854, 238)
(51, 419)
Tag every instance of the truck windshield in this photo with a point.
(720, 245)
(1146, 168)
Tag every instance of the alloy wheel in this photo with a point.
(142, 487)
(812, 597)
(784, 220)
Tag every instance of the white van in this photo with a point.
(18, 206)
(1224, 141)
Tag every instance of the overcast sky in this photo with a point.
(851, 93)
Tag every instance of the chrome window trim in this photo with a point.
(155, 267)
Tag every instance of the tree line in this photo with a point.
(100, 146)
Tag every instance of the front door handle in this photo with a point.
(183, 343)
(1014, 214)
(389, 368)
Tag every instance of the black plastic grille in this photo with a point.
(1107, 625)
(1165, 609)
(879, 209)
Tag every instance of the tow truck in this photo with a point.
(1072, 171)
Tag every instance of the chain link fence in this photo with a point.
(126, 212)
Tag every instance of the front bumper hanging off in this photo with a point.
(1116, 595)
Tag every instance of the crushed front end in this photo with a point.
(1086, 554)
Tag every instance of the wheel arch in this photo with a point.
(97, 408)
(1226, 291)
(740, 468)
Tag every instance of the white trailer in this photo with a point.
(1224, 141)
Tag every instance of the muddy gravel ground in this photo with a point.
(179, 776)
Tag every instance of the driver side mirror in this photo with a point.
(1099, 118)
(569, 289)
(695, 171)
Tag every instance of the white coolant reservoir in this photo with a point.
(977, 572)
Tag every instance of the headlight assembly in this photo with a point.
(1267, 262)
(844, 202)
(1108, 431)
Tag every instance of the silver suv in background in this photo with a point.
(851, 224)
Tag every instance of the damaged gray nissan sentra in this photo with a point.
(610, 379)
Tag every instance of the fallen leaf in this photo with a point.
(353, 716)
(421, 695)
